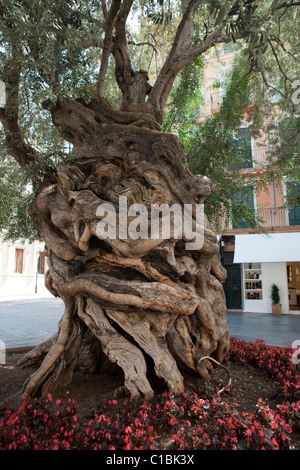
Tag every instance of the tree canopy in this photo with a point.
(91, 49)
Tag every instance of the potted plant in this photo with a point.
(276, 305)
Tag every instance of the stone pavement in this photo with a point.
(29, 321)
(275, 330)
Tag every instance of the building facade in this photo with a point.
(256, 259)
(22, 269)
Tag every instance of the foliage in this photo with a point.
(14, 200)
(287, 154)
(275, 294)
(54, 58)
(54, 36)
(52, 49)
(212, 145)
(183, 106)
(17, 193)
(42, 425)
(192, 422)
(288, 138)
(269, 93)
(275, 90)
(277, 362)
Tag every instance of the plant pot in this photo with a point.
(276, 309)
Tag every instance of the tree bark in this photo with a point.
(139, 298)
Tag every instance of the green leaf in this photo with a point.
(221, 15)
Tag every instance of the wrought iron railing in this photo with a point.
(215, 100)
(260, 157)
(269, 217)
(272, 217)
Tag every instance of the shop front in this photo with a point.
(293, 275)
(259, 261)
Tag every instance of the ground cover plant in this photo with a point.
(199, 418)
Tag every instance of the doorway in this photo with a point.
(293, 277)
(233, 287)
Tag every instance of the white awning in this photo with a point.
(267, 248)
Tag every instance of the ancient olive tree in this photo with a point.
(139, 301)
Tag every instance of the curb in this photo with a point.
(28, 297)
(20, 349)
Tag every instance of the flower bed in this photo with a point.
(186, 422)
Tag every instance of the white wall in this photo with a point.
(14, 284)
(271, 273)
(275, 273)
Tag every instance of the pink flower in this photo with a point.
(172, 421)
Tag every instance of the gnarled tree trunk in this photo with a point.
(138, 298)
(133, 300)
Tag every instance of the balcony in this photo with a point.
(259, 158)
(273, 217)
(215, 101)
(270, 217)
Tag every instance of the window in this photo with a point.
(2, 93)
(244, 216)
(41, 263)
(293, 191)
(243, 141)
(215, 100)
(19, 257)
(226, 48)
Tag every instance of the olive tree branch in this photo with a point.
(19, 149)
(109, 26)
